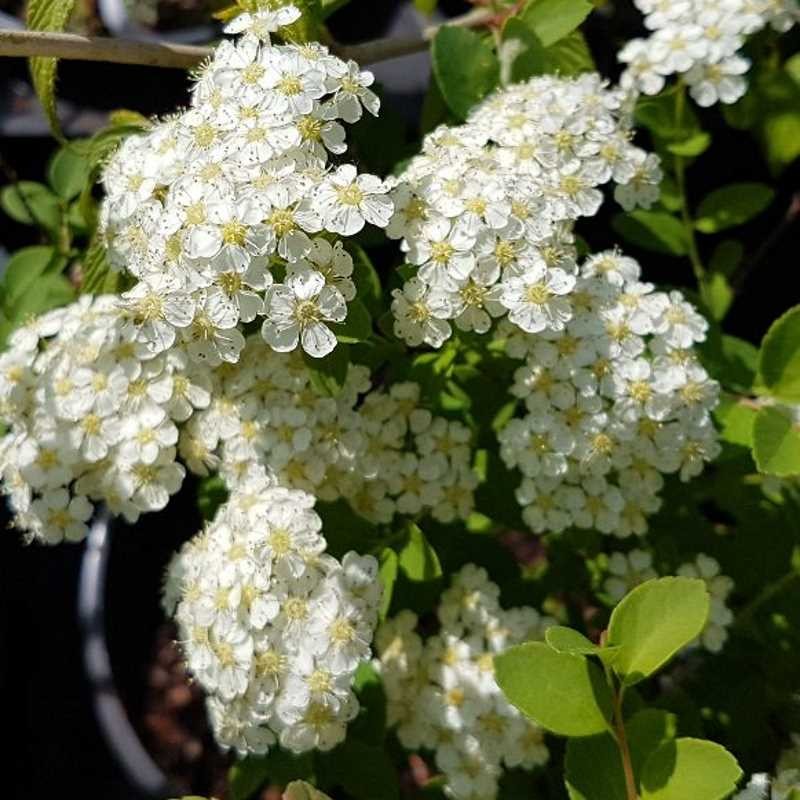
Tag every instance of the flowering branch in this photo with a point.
(24, 44)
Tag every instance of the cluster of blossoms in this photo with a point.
(272, 627)
(441, 692)
(628, 570)
(485, 211)
(720, 617)
(378, 450)
(786, 783)
(700, 40)
(91, 417)
(210, 207)
(613, 400)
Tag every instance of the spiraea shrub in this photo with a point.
(493, 415)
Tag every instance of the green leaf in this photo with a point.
(653, 622)
(50, 291)
(365, 277)
(652, 230)
(570, 56)
(328, 374)
(32, 204)
(97, 272)
(568, 640)
(248, 775)
(726, 257)
(68, 172)
(593, 766)
(388, 575)
(732, 205)
(647, 730)
(357, 326)
(563, 693)
(689, 768)
(521, 53)
(212, 492)
(300, 790)
(465, 68)
(717, 294)
(366, 772)
(657, 114)
(776, 443)
(593, 769)
(552, 20)
(779, 357)
(735, 421)
(418, 560)
(23, 269)
(47, 15)
(730, 360)
(696, 144)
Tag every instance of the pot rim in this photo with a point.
(138, 766)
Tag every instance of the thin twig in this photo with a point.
(789, 218)
(24, 44)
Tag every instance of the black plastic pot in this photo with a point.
(124, 742)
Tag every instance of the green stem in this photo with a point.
(624, 750)
(680, 179)
(619, 728)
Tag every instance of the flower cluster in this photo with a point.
(441, 692)
(714, 635)
(485, 211)
(628, 570)
(91, 417)
(379, 450)
(613, 400)
(272, 627)
(210, 207)
(700, 40)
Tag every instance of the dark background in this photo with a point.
(55, 747)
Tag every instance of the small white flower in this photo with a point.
(298, 310)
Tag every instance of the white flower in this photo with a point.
(298, 310)
(352, 93)
(263, 22)
(420, 317)
(718, 81)
(272, 628)
(535, 300)
(62, 517)
(346, 200)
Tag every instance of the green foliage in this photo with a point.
(522, 54)
(689, 768)
(47, 15)
(653, 622)
(568, 640)
(465, 66)
(32, 284)
(564, 693)
(32, 203)
(652, 230)
(552, 20)
(328, 373)
(417, 560)
(364, 770)
(776, 442)
(779, 357)
(732, 205)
